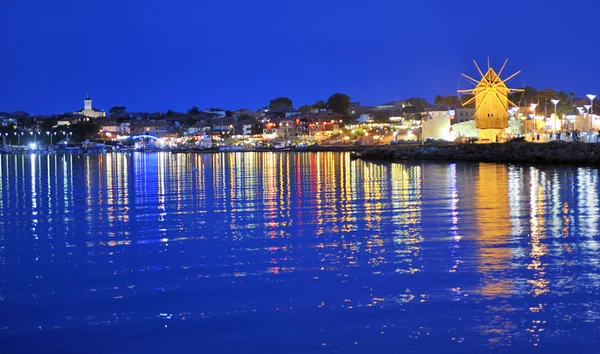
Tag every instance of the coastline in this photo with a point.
(556, 153)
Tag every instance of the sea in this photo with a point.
(285, 252)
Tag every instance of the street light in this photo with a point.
(555, 102)
(591, 97)
(50, 134)
(19, 135)
(532, 108)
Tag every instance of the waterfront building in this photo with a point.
(157, 128)
(89, 111)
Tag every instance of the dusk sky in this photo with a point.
(156, 55)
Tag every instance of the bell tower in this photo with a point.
(87, 103)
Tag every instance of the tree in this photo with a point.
(448, 100)
(305, 109)
(48, 124)
(244, 117)
(85, 130)
(528, 96)
(419, 103)
(194, 111)
(117, 110)
(465, 98)
(381, 119)
(339, 103)
(280, 102)
(320, 105)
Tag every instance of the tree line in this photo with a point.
(338, 103)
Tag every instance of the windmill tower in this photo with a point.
(490, 95)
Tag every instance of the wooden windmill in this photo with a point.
(490, 95)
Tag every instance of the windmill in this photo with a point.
(490, 95)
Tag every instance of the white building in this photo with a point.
(436, 127)
(89, 111)
(465, 129)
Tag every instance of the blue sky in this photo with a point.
(156, 55)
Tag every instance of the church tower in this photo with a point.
(87, 103)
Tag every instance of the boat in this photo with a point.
(206, 142)
(180, 151)
(281, 145)
(231, 148)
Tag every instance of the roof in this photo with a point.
(149, 123)
(282, 109)
(93, 109)
(68, 119)
(439, 108)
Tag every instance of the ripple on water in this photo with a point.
(247, 252)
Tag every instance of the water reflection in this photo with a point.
(471, 255)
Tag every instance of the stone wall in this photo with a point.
(510, 152)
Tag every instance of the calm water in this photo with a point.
(295, 253)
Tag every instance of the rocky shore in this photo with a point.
(511, 152)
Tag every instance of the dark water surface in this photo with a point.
(295, 253)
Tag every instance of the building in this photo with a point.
(490, 96)
(195, 129)
(440, 110)
(436, 127)
(66, 121)
(249, 129)
(88, 111)
(216, 113)
(282, 112)
(111, 128)
(157, 128)
(463, 115)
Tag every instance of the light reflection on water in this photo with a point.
(301, 251)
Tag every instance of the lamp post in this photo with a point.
(588, 108)
(581, 110)
(555, 102)
(532, 108)
(591, 97)
(19, 135)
